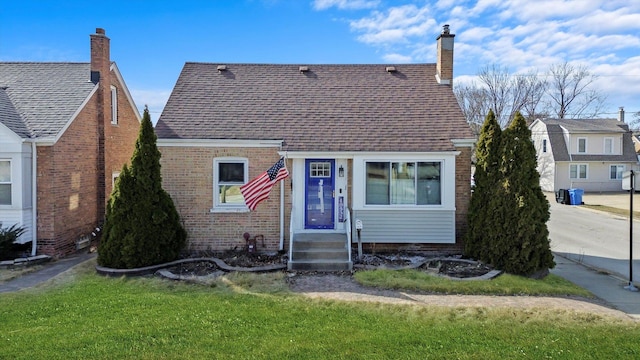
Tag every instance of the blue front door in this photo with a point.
(319, 194)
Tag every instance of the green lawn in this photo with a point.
(505, 284)
(255, 317)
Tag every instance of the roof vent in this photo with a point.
(303, 69)
(222, 68)
(390, 69)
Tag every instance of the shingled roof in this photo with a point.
(320, 108)
(37, 100)
(557, 127)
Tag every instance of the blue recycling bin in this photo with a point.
(576, 196)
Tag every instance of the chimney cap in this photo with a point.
(100, 31)
(445, 29)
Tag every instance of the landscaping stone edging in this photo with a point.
(488, 276)
(27, 261)
(148, 270)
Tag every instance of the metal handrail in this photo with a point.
(291, 222)
(347, 225)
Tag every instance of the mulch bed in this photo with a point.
(453, 267)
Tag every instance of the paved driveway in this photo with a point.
(595, 238)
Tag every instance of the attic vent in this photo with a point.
(222, 68)
(390, 69)
(304, 69)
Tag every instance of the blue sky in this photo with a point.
(151, 40)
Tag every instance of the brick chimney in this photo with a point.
(100, 57)
(101, 75)
(444, 63)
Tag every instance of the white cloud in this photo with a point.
(397, 58)
(154, 99)
(345, 4)
(395, 25)
(521, 35)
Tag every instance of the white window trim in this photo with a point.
(114, 105)
(10, 183)
(220, 207)
(578, 145)
(577, 165)
(114, 177)
(604, 149)
(447, 180)
(624, 168)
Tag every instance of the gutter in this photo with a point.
(34, 198)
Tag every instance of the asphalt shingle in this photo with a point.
(327, 108)
(44, 96)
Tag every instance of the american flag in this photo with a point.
(259, 188)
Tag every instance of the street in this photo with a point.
(595, 238)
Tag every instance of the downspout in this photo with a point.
(281, 215)
(34, 198)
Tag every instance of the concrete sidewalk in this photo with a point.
(608, 288)
(48, 271)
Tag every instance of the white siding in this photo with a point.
(546, 165)
(406, 226)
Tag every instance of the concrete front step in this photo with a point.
(321, 254)
(320, 265)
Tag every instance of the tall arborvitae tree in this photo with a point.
(482, 208)
(524, 247)
(142, 226)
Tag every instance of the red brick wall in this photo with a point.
(187, 175)
(463, 192)
(120, 138)
(67, 186)
(72, 185)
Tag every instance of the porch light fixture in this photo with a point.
(341, 171)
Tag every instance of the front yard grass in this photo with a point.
(505, 284)
(254, 316)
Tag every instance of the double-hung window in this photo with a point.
(114, 105)
(616, 171)
(582, 145)
(544, 145)
(5, 182)
(403, 183)
(229, 174)
(578, 171)
(608, 145)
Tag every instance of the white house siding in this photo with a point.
(406, 226)
(19, 212)
(546, 164)
(597, 177)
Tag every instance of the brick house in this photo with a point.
(66, 130)
(385, 146)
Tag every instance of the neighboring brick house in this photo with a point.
(66, 129)
(386, 146)
(587, 154)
